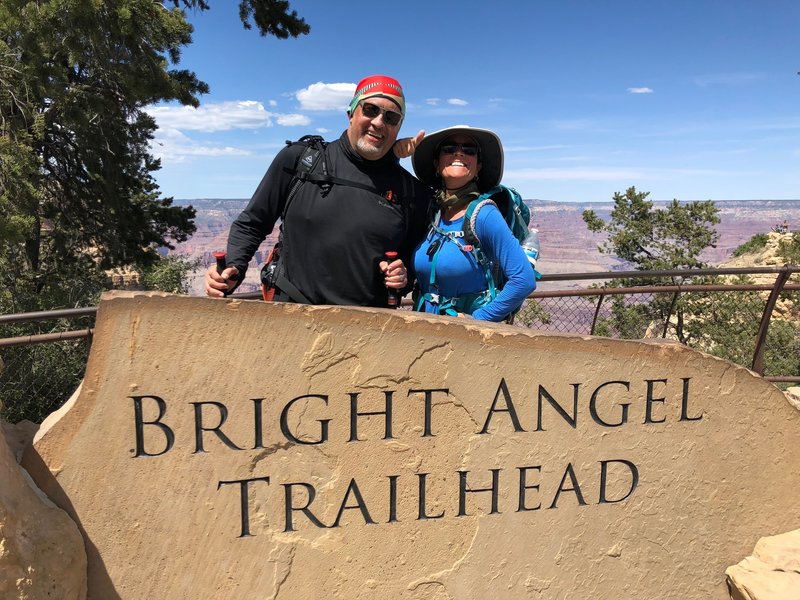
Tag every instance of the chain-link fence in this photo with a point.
(722, 323)
(42, 360)
(43, 356)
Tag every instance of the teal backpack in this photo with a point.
(517, 216)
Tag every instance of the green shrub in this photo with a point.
(754, 244)
(790, 250)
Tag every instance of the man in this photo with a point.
(335, 237)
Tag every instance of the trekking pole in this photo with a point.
(220, 258)
(393, 300)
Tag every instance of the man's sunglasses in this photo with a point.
(371, 111)
(467, 149)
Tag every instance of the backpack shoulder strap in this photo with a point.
(313, 153)
(471, 216)
(508, 201)
(305, 168)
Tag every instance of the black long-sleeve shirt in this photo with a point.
(332, 245)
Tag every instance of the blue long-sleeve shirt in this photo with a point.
(458, 272)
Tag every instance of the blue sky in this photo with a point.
(686, 99)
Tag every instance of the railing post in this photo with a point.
(675, 297)
(761, 338)
(596, 312)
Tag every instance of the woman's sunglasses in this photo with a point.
(371, 111)
(467, 149)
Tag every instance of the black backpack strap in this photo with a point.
(288, 288)
(313, 153)
(305, 169)
(330, 180)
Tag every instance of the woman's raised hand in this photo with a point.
(404, 147)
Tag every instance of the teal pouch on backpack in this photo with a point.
(509, 203)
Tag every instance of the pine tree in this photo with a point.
(77, 193)
(652, 239)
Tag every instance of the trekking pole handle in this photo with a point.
(393, 296)
(220, 258)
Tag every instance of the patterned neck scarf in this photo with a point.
(458, 198)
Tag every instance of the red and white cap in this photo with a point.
(380, 86)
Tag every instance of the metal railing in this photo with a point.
(674, 304)
(779, 286)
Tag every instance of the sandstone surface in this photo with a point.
(242, 449)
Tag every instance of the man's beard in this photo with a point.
(368, 150)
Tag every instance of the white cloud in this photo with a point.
(432, 101)
(457, 102)
(292, 120)
(172, 146)
(222, 116)
(640, 90)
(273, 103)
(326, 96)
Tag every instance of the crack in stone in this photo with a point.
(333, 361)
(267, 451)
(132, 345)
(436, 578)
(323, 355)
(458, 404)
(382, 381)
(426, 351)
(288, 571)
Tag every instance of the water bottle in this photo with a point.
(531, 246)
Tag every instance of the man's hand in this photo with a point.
(219, 284)
(395, 274)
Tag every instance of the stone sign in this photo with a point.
(250, 450)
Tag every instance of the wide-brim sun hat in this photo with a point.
(491, 156)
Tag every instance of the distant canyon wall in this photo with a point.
(567, 245)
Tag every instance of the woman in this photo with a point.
(461, 163)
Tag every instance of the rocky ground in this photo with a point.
(769, 256)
